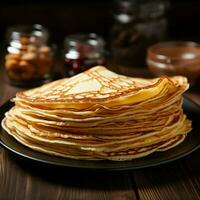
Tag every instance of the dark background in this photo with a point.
(72, 16)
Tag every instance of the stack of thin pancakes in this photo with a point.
(99, 114)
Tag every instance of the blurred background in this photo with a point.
(128, 27)
(64, 17)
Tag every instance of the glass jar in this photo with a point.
(29, 60)
(83, 51)
(136, 25)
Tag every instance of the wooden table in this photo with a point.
(22, 180)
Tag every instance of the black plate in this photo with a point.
(191, 143)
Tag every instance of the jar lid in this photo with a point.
(90, 40)
(21, 30)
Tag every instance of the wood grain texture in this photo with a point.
(25, 180)
(6, 90)
(170, 181)
(22, 179)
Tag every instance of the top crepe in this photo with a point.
(97, 86)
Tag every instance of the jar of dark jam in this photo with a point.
(29, 58)
(83, 51)
(137, 24)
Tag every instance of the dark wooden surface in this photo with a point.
(21, 179)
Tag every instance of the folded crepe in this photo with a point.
(99, 114)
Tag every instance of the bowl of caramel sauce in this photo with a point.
(175, 58)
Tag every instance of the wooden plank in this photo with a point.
(24, 180)
(170, 181)
(6, 91)
(192, 165)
